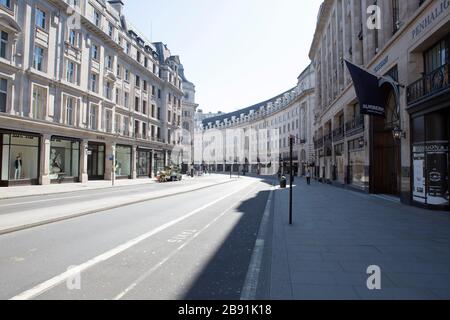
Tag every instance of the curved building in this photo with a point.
(290, 112)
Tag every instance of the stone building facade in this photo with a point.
(290, 113)
(83, 95)
(384, 156)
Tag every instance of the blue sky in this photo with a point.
(237, 52)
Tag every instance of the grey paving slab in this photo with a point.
(337, 234)
(321, 292)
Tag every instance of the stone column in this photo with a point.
(134, 162)
(110, 151)
(44, 178)
(84, 162)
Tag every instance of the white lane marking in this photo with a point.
(251, 280)
(180, 248)
(47, 285)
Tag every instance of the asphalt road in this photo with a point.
(196, 245)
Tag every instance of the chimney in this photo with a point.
(117, 5)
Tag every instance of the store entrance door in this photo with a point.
(386, 153)
(96, 161)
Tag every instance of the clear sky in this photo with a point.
(236, 52)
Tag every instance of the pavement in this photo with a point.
(27, 191)
(337, 234)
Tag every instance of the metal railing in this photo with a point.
(354, 126)
(429, 85)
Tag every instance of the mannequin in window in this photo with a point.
(18, 168)
(56, 162)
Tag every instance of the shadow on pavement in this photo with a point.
(224, 275)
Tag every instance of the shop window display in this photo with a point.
(123, 161)
(64, 158)
(20, 157)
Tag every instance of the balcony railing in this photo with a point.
(338, 134)
(318, 143)
(429, 85)
(354, 126)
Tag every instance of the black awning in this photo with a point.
(371, 92)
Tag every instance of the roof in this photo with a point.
(245, 111)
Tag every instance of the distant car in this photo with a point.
(175, 175)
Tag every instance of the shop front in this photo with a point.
(430, 159)
(356, 167)
(159, 159)
(123, 162)
(144, 163)
(19, 157)
(96, 161)
(339, 166)
(429, 108)
(64, 159)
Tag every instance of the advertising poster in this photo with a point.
(437, 174)
(419, 192)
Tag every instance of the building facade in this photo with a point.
(83, 95)
(405, 154)
(289, 113)
(189, 109)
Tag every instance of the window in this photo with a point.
(136, 104)
(3, 94)
(153, 91)
(97, 19)
(126, 99)
(144, 130)
(145, 85)
(70, 111)
(111, 30)
(119, 71)
(73, 38)
(39, 102)
(6, 3)
(93, 117)
(138, 57)
(41, 19)
(126, 126)
(38, 62)
(94, 82)
(395, 15)
(146, 62)
(159, 93)
(144, 107)
(138, 82)
(136, 128)
(95, 52)
(158, 115)
(127, 75)
(4, 44)
(437, 56)
(118, 96)
(128, 48)
(117, 124)
(109, 62)
(71, 72)
(153, 110)
(108, 120)
(108, 90)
